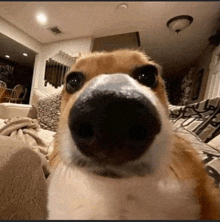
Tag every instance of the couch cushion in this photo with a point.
(215, 142)
(10, 110)
(37, 95)
(48, 111)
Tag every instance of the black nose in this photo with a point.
(113, 128)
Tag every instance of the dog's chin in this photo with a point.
(117, 172)
(109, 170)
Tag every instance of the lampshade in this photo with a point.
(179, 23)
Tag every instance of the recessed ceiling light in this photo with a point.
(41, 18)
(25, 54)
(7, 56)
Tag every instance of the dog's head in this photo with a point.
(114, 115)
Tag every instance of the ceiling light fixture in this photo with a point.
(41, 18)
(25, 54)
(123, 6)
(7, 56)
(179, 23)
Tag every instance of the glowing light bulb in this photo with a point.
(41, 18)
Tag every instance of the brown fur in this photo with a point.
(186, 165)
(185, 162)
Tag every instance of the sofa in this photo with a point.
(200, 124)
(33, 127)
(26, 139)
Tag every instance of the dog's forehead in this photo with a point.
(120, 61)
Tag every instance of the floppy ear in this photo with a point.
(83, 54)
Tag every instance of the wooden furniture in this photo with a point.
(22, 96)
(15, 94)
(3, 87)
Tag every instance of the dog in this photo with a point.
(116, 156)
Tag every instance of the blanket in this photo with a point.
(23, 186)
(25, 129)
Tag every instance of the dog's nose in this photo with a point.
(114, 128)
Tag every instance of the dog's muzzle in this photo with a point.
(113, 122)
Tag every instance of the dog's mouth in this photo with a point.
(124, 171)
(105, 168)
(97, 168)
(109, 173)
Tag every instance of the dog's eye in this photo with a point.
(146, 75)
(74, 81)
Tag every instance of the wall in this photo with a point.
(213, 83)
(173, 83)
(113, 42)
(203, 62)
(173, 86)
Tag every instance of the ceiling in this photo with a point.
(98, 19)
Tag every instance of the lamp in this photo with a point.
(179, 23)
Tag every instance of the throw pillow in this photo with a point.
(37, 94)
(48, 111)
(201, 118)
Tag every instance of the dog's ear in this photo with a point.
(83, 54)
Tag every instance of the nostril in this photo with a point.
(137, 132)
(85, 130)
